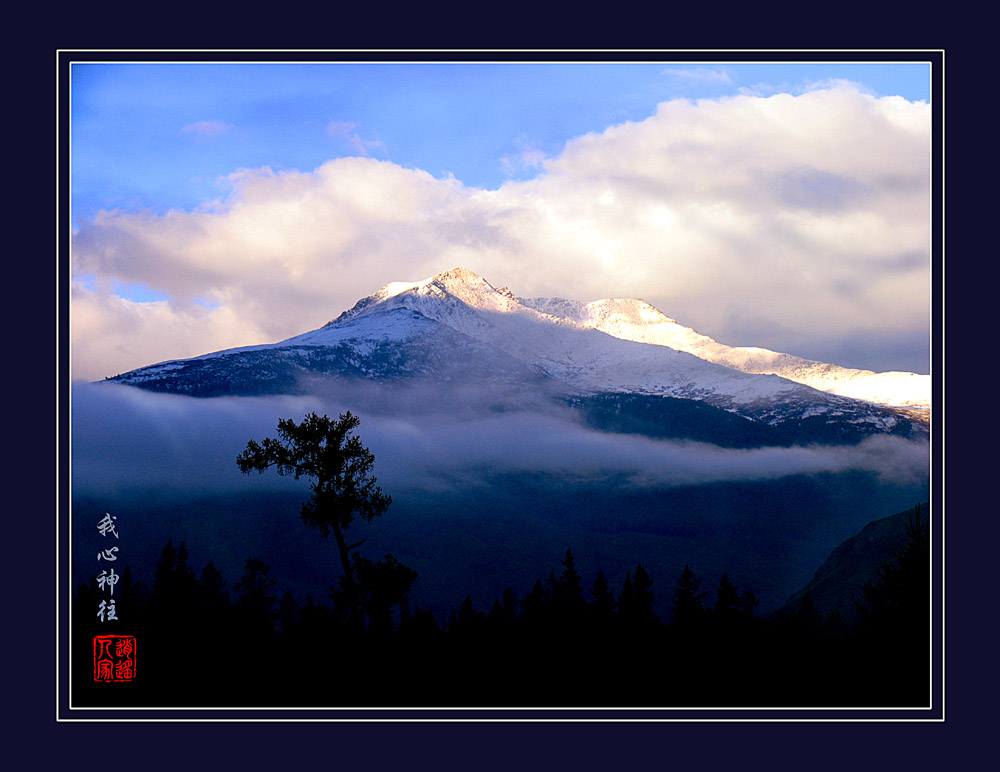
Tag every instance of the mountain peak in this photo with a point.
(461, 283)
(469, 287)
(465, 301)
(459, 275)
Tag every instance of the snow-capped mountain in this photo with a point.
(636, 320)
(456, 325)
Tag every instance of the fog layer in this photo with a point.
(127, 439)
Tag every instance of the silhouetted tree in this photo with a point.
(212, 588)
(567, 594)
(339, 465)
(535, 605)
(214, 604)
(382, 586)
(174, 597)
(687, 606)
(468, 620)
(174, 608)
(132, 598)
(627, 596)
(255, 601)
(728, 602)
(568, 589)
(603, 605)
(636, 603)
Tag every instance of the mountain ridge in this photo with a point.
(456, 323)
(839, 581)
(638, 321)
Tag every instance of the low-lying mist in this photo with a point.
(488, 489)
(424, 439)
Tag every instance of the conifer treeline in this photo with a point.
(566, 642)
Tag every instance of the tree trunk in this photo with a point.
(345, 555)
(355, 619)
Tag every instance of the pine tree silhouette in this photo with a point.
(174, 597)
(383, 587)
(636, 604)
(687, 606)
(603, 605)
(535, 605)
(254, 606)
(728, 602)
(567, 597)
(343, 487)
(213, 598)
(468, 621)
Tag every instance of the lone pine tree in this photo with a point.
(329, 453)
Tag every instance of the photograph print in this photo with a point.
(464, 386)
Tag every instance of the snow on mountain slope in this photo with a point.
(456, 325)
(392, 344)
(589, 345)
(636, 320)
(587, 358)
(362, 338)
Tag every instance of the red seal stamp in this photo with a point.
(114, 657)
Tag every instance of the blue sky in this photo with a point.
(498, 139)
(161, 136)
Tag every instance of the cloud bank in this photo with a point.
(791, 222)
(126, 439)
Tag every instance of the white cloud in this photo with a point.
(345, 131)
(799, 218)
(111, 332)
(529, 157)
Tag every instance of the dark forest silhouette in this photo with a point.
(567, 641)
(206, 643)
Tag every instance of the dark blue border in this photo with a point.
(608, 745)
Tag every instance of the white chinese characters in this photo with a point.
(107, 579)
